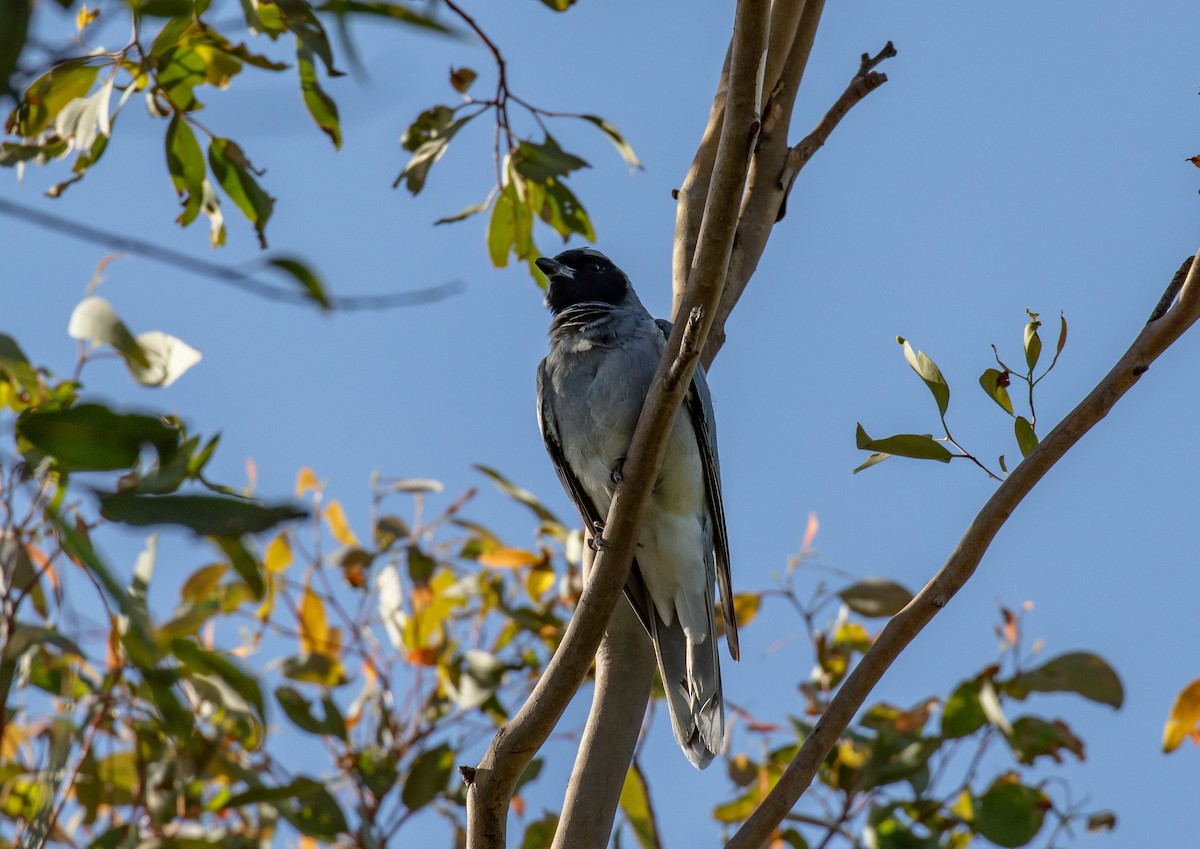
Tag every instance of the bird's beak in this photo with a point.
(552, 268)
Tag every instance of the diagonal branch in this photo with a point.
(1154, 338)
(490, 785)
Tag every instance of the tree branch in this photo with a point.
(624, 674)
(1154, 338)
(771, 182)
(490, 785)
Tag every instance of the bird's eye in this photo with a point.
(595, 268)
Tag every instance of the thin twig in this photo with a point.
(224, 273)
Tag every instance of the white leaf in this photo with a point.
(94, 320)
(167, 356)
(391, 604)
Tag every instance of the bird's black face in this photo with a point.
(582, 275)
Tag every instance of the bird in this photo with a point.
(604, 350)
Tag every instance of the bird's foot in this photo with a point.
(597, 542)
(618, 472)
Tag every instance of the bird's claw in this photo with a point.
(597, 542)
(618, 472)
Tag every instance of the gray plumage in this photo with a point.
(604, 350)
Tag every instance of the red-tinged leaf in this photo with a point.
(995, 384)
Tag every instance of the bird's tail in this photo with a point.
(691, 676)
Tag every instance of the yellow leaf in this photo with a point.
(851, 754)
(306, 480)
(279, 555)
(307, 842)
(745, 608)
(84, 17)
(539, 580)
(1184, 718)
(964, 807)
(314, 627)
(335, 517)
(510, 558)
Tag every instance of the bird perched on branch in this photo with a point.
(604, 350)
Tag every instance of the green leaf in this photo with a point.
(1033, 737)
(540, 833)
(136, 636)
(427, 777)
(391, 11)
(299, 17)
(995, 383)
(1062, 336)
(467, 212)
(623, 147)
(739, 809)
(878, 457)
(207, 515)
(1010, 814)
(1026, 439)
(876, 597)
(428, 138)
(928, 371)
(542, 162)
(14, 29)
(300, 711)
(46, 96)
(559, 5)
(1076, 672)
(310, 283)
(376, 769)
(963, 713)
(243, 562)
(1033, 342)
(91, 437)
(557, 206)
(420, 565)
(235, 175)
(635, 803)
(518, 493)
(94, 320)
(198, 659)
(320, 105)
(916, 446)
(14, 363)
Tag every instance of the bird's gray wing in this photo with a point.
(700, 411)
(635, 587)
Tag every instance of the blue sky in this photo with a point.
(1021, 156)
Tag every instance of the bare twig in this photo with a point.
(489, 792)
(1155, 338)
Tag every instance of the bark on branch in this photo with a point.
(1158, 334)
(490, 785)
